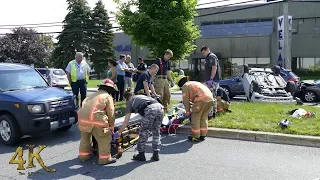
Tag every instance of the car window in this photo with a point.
(58, 72)
(42, 71)
(293, 74)
(20, 79)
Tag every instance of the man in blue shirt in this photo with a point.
(144, 83)
(121, 69)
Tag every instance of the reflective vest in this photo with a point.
(73, 72)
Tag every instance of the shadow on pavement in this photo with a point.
(47, 138)
(74, 167)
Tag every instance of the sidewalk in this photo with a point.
(95, 89)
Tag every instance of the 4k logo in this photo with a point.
(17, 158)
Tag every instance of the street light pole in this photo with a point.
(286, 37)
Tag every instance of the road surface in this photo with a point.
(179, 159)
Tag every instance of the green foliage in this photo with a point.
(174, 75)
(101, 43)
(26, 46)
(165, 25)
(75, 34)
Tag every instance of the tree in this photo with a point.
(75, 34)
(160, 25)
(101, 43)
(26, 46)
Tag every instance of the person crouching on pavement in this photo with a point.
(96, 118)
(223, 101)
(201, 98)
(152, 115)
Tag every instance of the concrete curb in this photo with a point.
(258, 136)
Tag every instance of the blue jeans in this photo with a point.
(82, 86)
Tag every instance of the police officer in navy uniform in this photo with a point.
(141, 68)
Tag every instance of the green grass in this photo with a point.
(264, 117)
(122, 106)
(309, 77)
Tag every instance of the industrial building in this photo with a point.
(249, 35)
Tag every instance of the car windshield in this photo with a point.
(58, 72)
(21, 79)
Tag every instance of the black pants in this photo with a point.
(120, 84)
(82, 85)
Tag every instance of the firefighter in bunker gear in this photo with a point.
(201, 98)
(96, 118)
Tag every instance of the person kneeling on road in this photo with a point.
(201, 98)
(152, 115)
(223, 100)
(96, 118)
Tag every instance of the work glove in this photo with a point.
(209, 83)
(172, 84)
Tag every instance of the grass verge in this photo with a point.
(264, 117)
(122, 106)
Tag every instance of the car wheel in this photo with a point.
(9, 130)
(310, 96)
(277, 70)
(66, 128)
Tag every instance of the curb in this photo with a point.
(258, 136)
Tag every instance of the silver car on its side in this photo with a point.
(55, 77)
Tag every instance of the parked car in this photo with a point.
(309, 90)
(57, 77)
(264, 85)
(288, 75)
(28, 105)
(233, 86)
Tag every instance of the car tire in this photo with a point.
(227, 90)
(309, 96)
(276, 70)
(13, 131)
(291, 88)
(66, 128)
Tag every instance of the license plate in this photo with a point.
(63, 122)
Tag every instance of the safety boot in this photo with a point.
(110, 161)
(202, 138)
(139, 157)
(155, 156)
(193, 139)
(85, 158)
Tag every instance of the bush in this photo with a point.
(307, 72)
(174, 75)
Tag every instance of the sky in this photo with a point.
(20, 12)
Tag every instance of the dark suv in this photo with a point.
(29, 105)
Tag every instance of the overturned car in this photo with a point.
(266, 85)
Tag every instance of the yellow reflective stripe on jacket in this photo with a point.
(73, 72)
(94, 123)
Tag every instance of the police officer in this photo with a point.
(212, 74)
(144, 83)
(78, 76)
(96, 118)
(161, 80)
(201, 98)
(152, 116)
(141, 68)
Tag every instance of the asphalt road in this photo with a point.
(212, 159)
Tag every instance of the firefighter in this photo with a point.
(161, 83)
(152, 115)
(201, 98)
(96, 118)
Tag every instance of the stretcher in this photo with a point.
(128, 137)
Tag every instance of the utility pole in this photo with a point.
(287, 35)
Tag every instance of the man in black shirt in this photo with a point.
(212, 75)
(144, 83)
(161, 83)
(141, 68)
(152, 115)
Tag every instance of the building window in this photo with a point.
(237, 28)
(237, 61)
(265, 61)
(308, 63)
(250, 61)
(317, 65)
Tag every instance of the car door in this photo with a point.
(237, 85)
